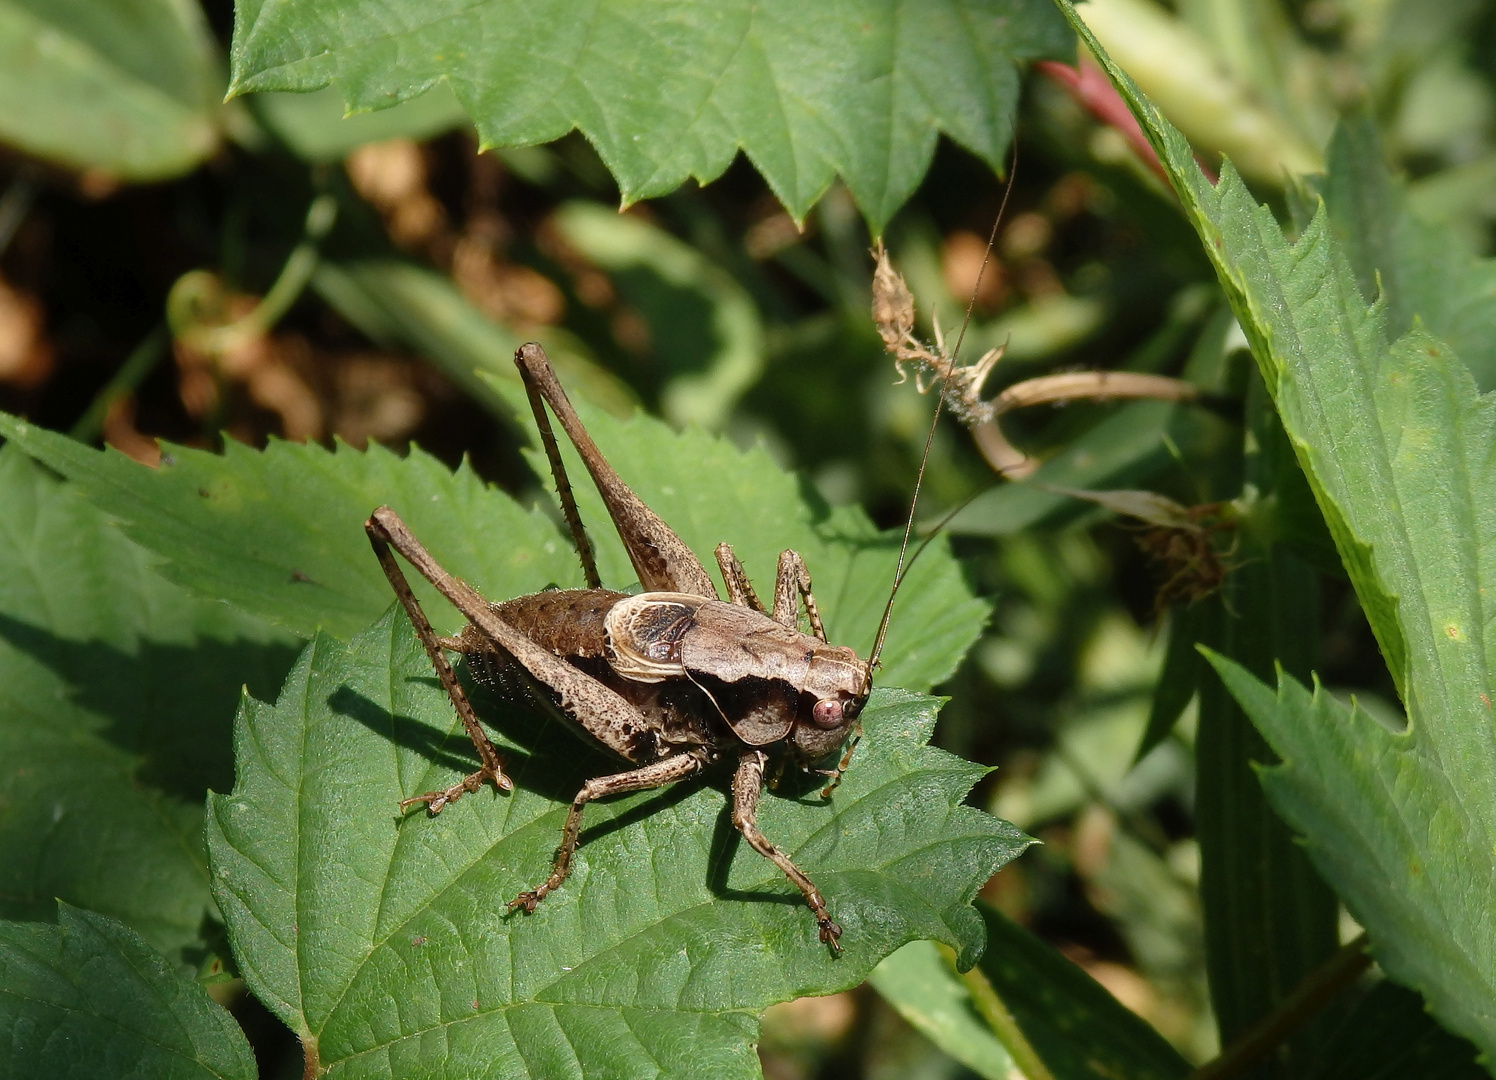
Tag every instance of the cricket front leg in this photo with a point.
(492, 763)
(668, 771)
(834, 776)
(793, 577)
(791, 585)
(739, 588)
(747, 785)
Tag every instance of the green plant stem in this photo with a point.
(288, 286)
(991, 1007)
(299, 266)
(142, 359)
(1312, 994)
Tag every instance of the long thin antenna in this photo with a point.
(940, 527)
(898, 573)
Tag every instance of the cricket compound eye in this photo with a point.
(827, 713)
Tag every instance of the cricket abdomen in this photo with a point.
(568, 622)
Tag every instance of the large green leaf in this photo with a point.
(128, 87)
(88, 998)
(1396, 444)
(116, 694)
(385, 944)
(667, 91)
(1398, 840)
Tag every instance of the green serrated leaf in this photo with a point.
(1396, 443)
(856, 88)
(280, 533)
(1392, 835)
(88, 998)
(127, 87)
(385, 944)
(116, 693)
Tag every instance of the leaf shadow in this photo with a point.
(543, 751)
(170, 704)
(726, 840)
(443, 748)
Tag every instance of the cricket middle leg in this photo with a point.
(658, 774)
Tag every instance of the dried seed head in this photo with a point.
(1187, 542)
(893, 315)
(893, 303)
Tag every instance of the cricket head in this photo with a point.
(836, 689)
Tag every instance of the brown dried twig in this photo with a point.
(893, 315)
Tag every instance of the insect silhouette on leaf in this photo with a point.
(672, 680)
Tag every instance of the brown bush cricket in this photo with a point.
(672, 679)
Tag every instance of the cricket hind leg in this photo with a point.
(607, 716)
(747, 786)
(662, 560)
(667, 771)
(492, 768)
(558, 472)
